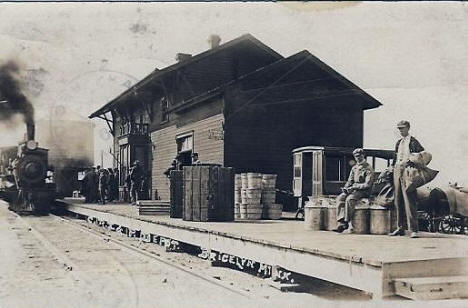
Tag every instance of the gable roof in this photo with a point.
(248, 39)
(304, 70)
(306, 75)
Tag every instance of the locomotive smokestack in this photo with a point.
(30, 128)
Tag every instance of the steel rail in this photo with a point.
(60, 257)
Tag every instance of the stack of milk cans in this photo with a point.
(255, 197)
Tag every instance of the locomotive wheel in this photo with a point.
(452, 225)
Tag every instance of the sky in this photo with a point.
(411, 56)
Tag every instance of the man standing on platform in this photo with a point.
(136, 175)
(405, 201)
(359, 185)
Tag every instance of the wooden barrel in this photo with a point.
(254, 180)
(274, 211)
(244, 183)
(313, 216)
(237, 210)
(379, 220)
(331, 222)
(244, 199)
(250, 211)
(238, 196)
(254, 196)
(268, 196)
(237, 181)
(269, 180)
(361, 220)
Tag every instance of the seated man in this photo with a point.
(359, 185)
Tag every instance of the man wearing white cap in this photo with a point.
(405, 201)
(358, 186)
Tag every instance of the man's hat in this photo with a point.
(358, 151)
(194, 154)
(403, 123)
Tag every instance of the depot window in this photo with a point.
(185, 142)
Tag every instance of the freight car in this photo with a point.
(25, 183)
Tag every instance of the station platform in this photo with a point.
(376, 264)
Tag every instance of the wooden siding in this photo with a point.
(260, 137)
(164, 151)
(209, 150)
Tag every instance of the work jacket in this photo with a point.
(361, 177)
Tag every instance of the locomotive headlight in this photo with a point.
(31, 145)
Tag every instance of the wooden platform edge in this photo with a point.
(340, 271)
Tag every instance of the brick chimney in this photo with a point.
(182, 56)
(214, 40)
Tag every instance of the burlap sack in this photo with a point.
(418, 177)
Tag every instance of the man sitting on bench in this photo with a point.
(359, 185)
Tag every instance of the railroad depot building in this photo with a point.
(239, 104)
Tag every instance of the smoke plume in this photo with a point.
(12, 99)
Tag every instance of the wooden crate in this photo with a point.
(177, 192)
(208, 193)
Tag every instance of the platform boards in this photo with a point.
(372, 263)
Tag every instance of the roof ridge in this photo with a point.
(197, 57)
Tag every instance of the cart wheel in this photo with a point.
(451, 224)
(426, 222)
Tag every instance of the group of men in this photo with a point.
(100, 185)
(361, 180)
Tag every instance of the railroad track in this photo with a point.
(74, 269)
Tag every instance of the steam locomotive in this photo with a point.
(25, 183)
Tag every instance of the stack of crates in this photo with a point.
(208, 193)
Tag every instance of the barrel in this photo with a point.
(274, 211)
(379, 220)
(237, 196)
(361, 220)
(244, 181)
(393, 219)
(250, 211)
(237, 210)
(237, 181)
(269, 180)
(254, 180)
(313, 216)
(244, 199)
(268, 196)
(331, 222)
(253, 196)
